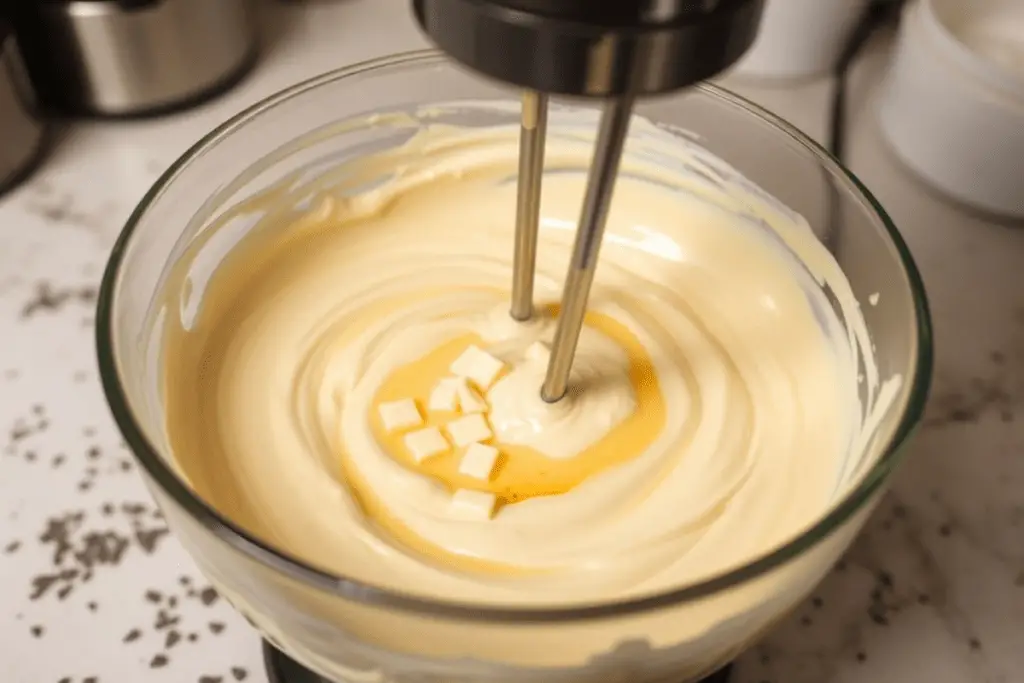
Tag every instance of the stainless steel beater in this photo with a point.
(613, 50)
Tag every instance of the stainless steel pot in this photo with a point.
(126, 57)
(21, 132)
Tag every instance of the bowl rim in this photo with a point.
(347, 588)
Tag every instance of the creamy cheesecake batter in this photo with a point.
(714, 411)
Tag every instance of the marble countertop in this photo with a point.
(94, 590)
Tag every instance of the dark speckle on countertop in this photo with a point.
(208, 596)
(165, 619)
(57, 207)
(997, 391)
(81, 543)
(23, 430)
(969, 403)
(48, 298)
(170, 629)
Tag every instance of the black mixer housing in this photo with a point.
(593, 48)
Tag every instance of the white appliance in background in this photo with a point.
(952, 108)
(800, 38)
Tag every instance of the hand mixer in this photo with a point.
(613, 50)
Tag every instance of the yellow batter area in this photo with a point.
(523, 472)
(715, 407)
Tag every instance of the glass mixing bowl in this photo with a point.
(352, 631)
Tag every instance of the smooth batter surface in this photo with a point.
(705, 285)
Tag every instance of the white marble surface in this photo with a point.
(933, 590)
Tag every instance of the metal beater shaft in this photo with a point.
(604, 168)
(531, 168)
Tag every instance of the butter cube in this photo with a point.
(400, 415)
(426, 443)
(469, 400)
(477, 366)
(475, 506)
(479, 461)
(469, 429)
(445, 396)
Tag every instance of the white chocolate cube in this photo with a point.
(479, 461)
(475, 506)
(538, 351)
(469, 429)
(469, 400)
(445, 396)
(426, 443)
(478, 367)
(400, 415)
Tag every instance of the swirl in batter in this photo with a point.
(715, 405)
